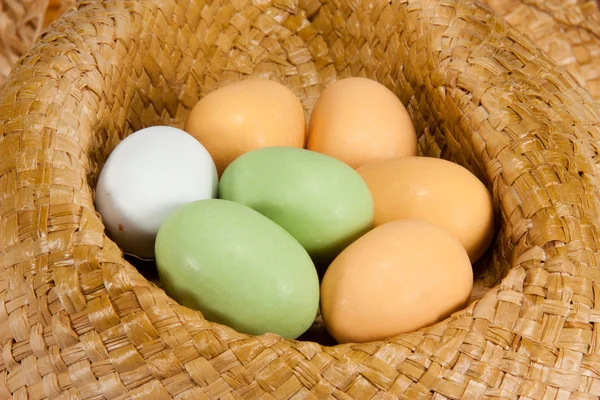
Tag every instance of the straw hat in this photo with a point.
(78, 321)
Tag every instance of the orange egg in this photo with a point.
(358, 120)
(245, 116)
(434, 190)
(399, 277)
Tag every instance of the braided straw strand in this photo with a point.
(569, 31)
(20, 23)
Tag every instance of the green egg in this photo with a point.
(238, 268)
(319, 200)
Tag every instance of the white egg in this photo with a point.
(146, 177)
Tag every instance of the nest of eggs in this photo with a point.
(81, 321)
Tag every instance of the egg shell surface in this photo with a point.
(238, 268)
(435, 190)
(398, 278)
(358, 120)
(319, 200)
(145, 178)
(244, 116)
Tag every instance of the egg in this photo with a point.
(358, 120)
(145, 178)
(398, 278)
(319, 200)
(244, 116)
(238, 268)
(435, 190)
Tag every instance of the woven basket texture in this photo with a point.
(21, 22)
(79, 322)
(567, 30)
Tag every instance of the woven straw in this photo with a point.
(568, 30)
(20, 24)
(78, 322)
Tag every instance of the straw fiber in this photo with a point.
(21, 21)
(568, 30)
(78, 322)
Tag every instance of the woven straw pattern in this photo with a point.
(78, 322)
(21, 21)
(568, 30)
